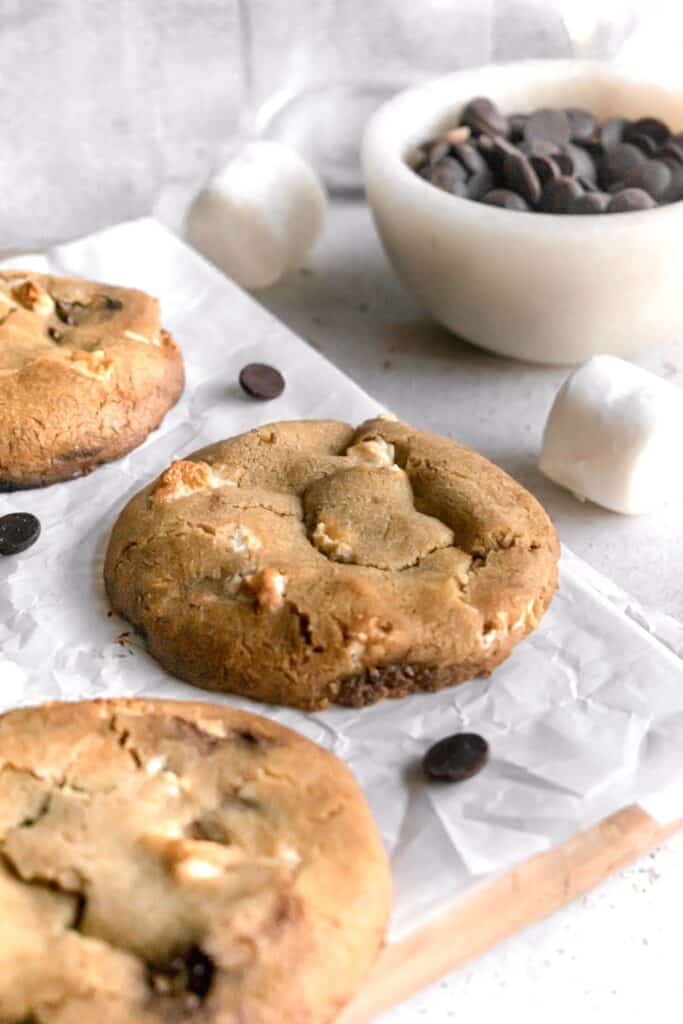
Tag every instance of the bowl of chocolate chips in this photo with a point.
(536, 209)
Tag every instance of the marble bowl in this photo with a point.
(547, 288)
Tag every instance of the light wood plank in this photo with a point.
(533, 890)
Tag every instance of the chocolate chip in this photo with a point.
(519, 174)
(645, 143)
(653, 177)
(65, 311)
(458, 135)
(545, 167)
(189, 974)
(583, 164)
(470, 158)
(673, 149)
(435, 150)
(550, 125)
(456, 758)
(479, 184)
(262, 381)
(629, 200)
(516, 124)
(559, 194)
(589, 202)
(506, 199)
(449, 175)
(482, 115)
(112, 304)
(581, 122)
(540, 147)
(565, 163)
(200, 971)
(18, 531)
(611, 131)
(54, 333)
(621, 159)
(652, 126)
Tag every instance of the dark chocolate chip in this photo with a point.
(581, 122)
(516, 124)
(482, 115)
(504, 198)
(18, 531)
(520, 176)
(200, 971)
(65, 311)
(621, 159)
(480, 183)
(539, 147)
(645, 143)
(611, 131)
(559, 195)
(189, 974)
(435, 151)
(674, 149)
(112, 304)
(449, 175)
(590, 202)
(262, 381)
(565, 162)
(629, 200)
(652, 126)
(550, 125)
(584, 167)
(653, 177)
(54, 333)
(456, 758)
(470, 158)
(545, 167)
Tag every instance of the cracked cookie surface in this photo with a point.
(170, 862)
(307, 563)
(85, 374)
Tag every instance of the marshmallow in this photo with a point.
(258, 217)
(614, 435)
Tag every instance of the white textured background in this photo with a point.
(110, 109)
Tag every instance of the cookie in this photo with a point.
(85, 374)
(165, 862)
(306, 563)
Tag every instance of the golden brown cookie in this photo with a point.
(167, 862)
(307, 562)
(85, 374)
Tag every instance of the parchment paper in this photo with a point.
(586, 716)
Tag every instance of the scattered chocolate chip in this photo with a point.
(456, 758)
(504, 198)
(550, 125)
(18, 531)
(565, 163)
(54, 333)
(590, 202)
(653, 177)
(521, 177)
(673, 149)
(584, 166)
(449, 175)
(112, 304)
(652, 126)
(435, 150)
(539, 147)
(65, 311)
(629, 200)
(482, 115)
(581, 122)
(458, 135)
(189, 974)
(262, 381)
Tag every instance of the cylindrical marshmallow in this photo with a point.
(259, 216)
(614, 435)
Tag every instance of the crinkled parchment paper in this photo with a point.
(585, 718)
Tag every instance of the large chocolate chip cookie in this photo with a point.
(168, 862)
(307, 562)
(85, 374)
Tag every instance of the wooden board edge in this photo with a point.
(531, 891)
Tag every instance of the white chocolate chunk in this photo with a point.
(377, 452)
(32, 296)
(268, 586)
(324, 539)
(242, 539)
(134, 336)
(614, 436)
(259, 216)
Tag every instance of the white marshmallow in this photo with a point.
(258, 217)
(614, 435)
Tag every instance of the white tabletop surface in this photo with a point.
(613, 954)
